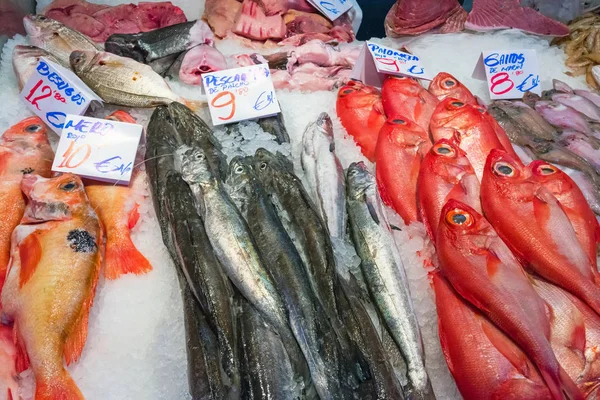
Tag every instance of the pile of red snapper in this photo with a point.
(517, 289)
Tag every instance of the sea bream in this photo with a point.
(385, 276)
(25, 62)
(51, 281)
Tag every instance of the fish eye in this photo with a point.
(262, 166)
(459, 217)
(546, 170)
(33, 128)
(347, 91)
(504, 169)
(457, 103)
(399, 121)
(42, 18)
(239, 169)
(199, 156)
(68, 187)
(449, 83)
(444, 150)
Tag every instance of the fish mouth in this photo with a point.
(41, 211)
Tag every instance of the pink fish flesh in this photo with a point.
(579, 103)
(413, 17)
(561, 86)
(221, 15)
(591, 96)
(489, 15)
(253, 23)
(324, 55)
(311, 77)
(200, 60)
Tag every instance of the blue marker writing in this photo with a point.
(264, 100)
(416, 70)
(529, 83)
(56, 119)
(112, 165)
(329, 7)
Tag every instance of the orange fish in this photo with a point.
(467, 125)
(575, 336)
(400, 149)
(573, 203)
(24, 149)
(359, 108)
(404, 97)
(485, 363)
(445, 174)
(445, 85)
(8, 373)
(485, 273)
(118, 211)
(532, 222)
(51, 281)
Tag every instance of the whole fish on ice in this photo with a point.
(25, 62)
(403, 97)
(445, 85)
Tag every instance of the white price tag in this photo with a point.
(97, 148)
(240, 93)
(52, 92)
(509, 73)
(375, 61)
(332, 9)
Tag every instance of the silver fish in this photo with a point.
(325, 174)
(56, 38)
(26, 60)
(385, 275)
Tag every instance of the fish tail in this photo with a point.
(194, 105)
(561, 385)
(57, 388)
(122, 257)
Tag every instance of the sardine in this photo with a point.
(306, 317)
(236, 249)
(325, 174)
(276, 127)
(385, 275)
(204, 275)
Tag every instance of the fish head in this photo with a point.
(325, 125)
(445, 85)
(195, 168)
(359, 180)
(52, 199)
(81, 60)
(240, 172)
(454, 113)
(448, 161)
(551, 177)
(40, 28)
(508, 177)
(29, 53)
(271, 167)
(403, 133)
(467, 230)
(30, 130)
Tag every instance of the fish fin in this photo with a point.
(62, 387)
(493, 263)
(506, 347)
(372, 211)
(4, 159)
(385, 197)
(134, 216)
(395, 228)
(21, 359)
(122, 257)
(194, 105)
(30, 253)
(78, 335)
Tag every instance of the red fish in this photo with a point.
(468, 126)
(361, 112)
(575, 335)
(118, 211)
(445, 174)
(573, 203)
(445, 85)
(485, 273)
(51, 281)
(534, 225)
(404, 97)
(485, 363)
(9, 386)
(401, 146)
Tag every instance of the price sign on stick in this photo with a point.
(375, 61)
(509, 73)
(332, 9)
(97, 148)
(240, 93)
(52, 92)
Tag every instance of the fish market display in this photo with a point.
(416, 17)
(26, 60)
(445, 85)
(58, 220)
(325, 172)
(123, 81)
(488, 15)
(360, 109)
(99, 21)
(385, 276)
(404, 97)
(56, 38)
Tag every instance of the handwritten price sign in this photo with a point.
(239, 94)
(509, 74)
(52, 92)
(375, 61)
(332, 9)
(97, 148)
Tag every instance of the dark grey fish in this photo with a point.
(384, 384)
(276, 127)
(385, 276)
(173, 71)
(267, 370)
(306, 317)
(202, 271)
(162, 65)
(149, 46)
